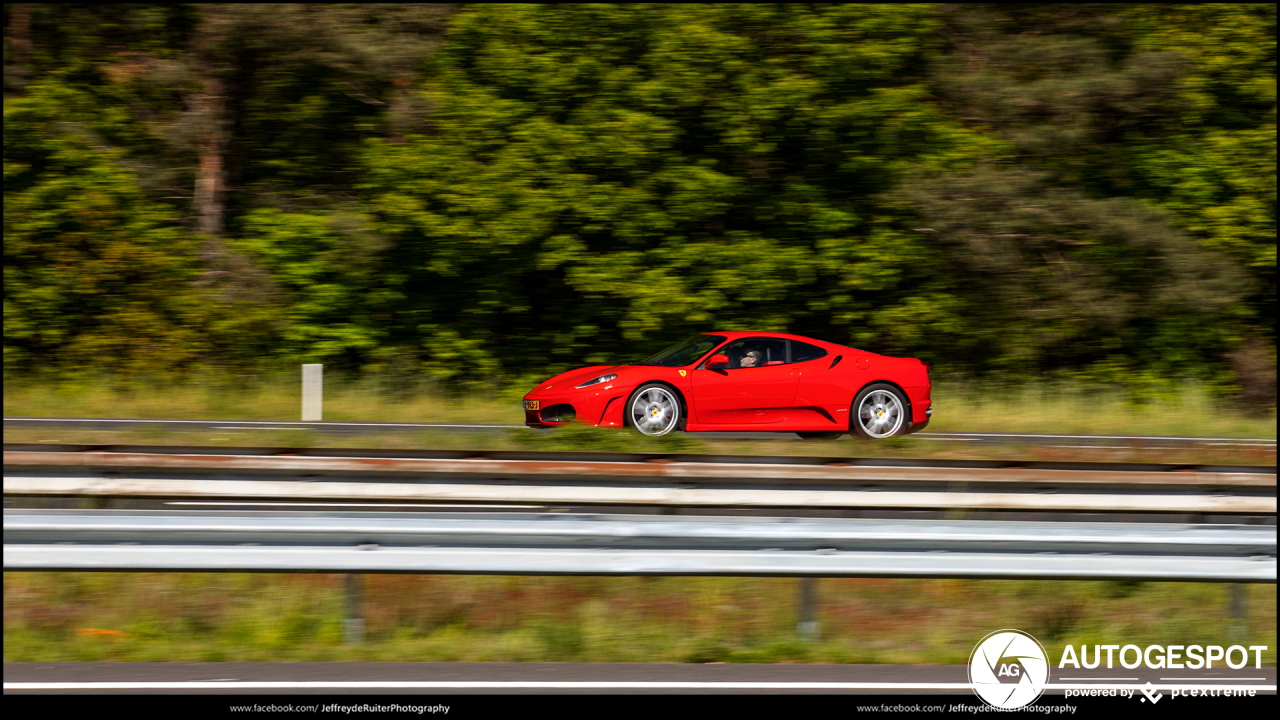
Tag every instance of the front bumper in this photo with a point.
(550, 412)
(588, 407)
(558, 410)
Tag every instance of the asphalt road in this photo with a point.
(558, 678)
(359, 428)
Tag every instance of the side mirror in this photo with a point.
(717, 362)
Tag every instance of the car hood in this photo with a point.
(570, 380)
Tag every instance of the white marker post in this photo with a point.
(352, 615)
(808, 625)
(312, 392)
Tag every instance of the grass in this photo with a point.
(1045, 408)
(1187, 410)
(51, 617)
(277, 397)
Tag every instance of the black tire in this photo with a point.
(819, 435)
(890, 408)
(660, 401)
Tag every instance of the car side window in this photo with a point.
(755, 352)
(801, 352)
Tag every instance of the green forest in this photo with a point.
(465, 192)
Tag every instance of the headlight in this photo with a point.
(597, 381)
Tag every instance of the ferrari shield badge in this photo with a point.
(683, 373)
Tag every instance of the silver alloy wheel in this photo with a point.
(880, 414)
(655, 411)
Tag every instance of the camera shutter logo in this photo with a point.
(1008, 669)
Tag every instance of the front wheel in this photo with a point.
(653, 409)
(879, 412)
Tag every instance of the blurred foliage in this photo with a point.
(467, 192)
(90, 264)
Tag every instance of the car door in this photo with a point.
(822, 398)
(738, 395)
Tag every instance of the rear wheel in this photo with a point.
(653, 409)
(819, 435)
(879, 412)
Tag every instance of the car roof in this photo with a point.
(737, 334)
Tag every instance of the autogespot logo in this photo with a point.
(1008, 669)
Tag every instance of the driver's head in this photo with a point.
(753, 358)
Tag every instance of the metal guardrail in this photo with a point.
(627, 545)
(641, 496)
(636, 465)
(659, 481)
(556, 543)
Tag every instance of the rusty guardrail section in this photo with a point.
(662, 481)
(658, 469)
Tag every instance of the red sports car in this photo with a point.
(743, 381)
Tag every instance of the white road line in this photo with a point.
(304, 425)
(379, 505)
(557, 685)
(1199, 441)
(257, 423)
(487, 685)
(1100, 437)
(233, 428)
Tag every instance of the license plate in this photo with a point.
(532, 405)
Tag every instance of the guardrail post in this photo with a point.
(352, 619)
(312, 393)
(808, 625)
(1239, 613)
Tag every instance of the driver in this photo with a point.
(753, 358)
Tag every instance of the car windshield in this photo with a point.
(684, 353)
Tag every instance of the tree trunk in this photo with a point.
(211, 173)
(20, 30)
(398, 117)
(16, 71)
